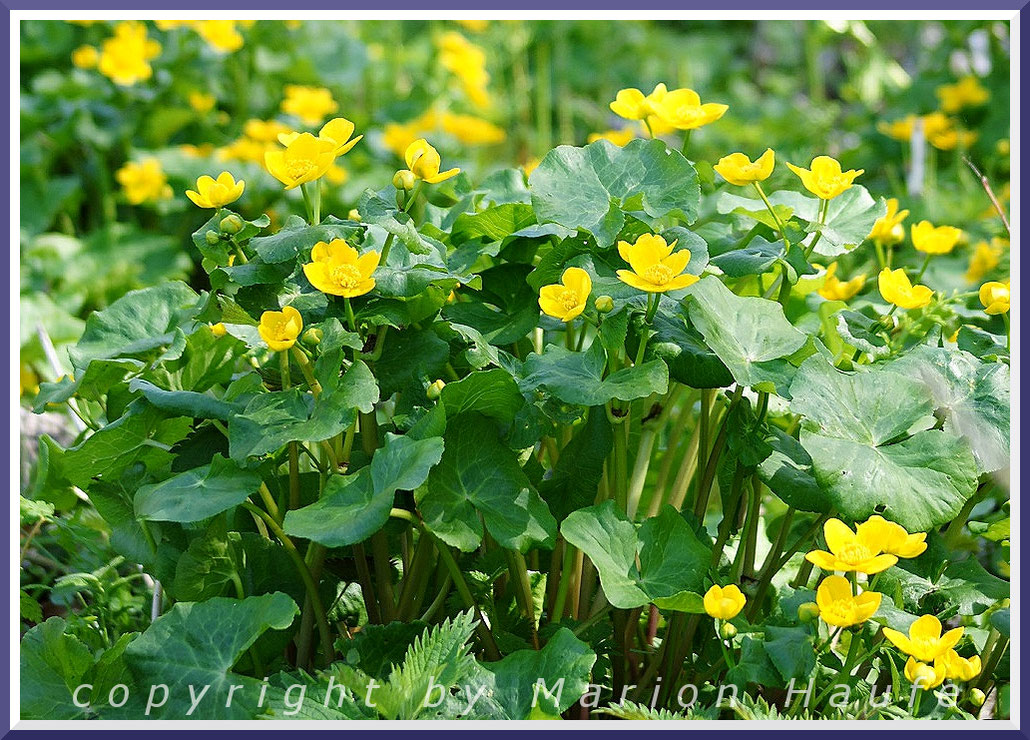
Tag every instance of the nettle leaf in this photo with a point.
(673, 561)
(577, 377)
(480, 477)
(872, 449)
(139, 322)
(849, 217)
(750, 335)
(533, 684)
(354, 507)
(971, 396)
(53, 664)
(296, 238)
(196, 494)
(589, 187)
(197, 644)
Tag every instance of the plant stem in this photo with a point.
(489, 644)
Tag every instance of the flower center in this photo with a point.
(855, 553)
(346, 276)
(568, 299)
(658, 274)
(297, 168)
(841, 611)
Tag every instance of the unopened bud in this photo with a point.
(404, 180)
(604, 304)
(353, 215)
(312, 336)
(728, 631)
(212, 237)
(808, 612)
(434, 389)
(977, 697)
(231, 224)
(218, 329)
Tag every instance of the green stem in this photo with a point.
(489, 644)
(822, 222)
(922, 270)
(568, 566)
(776, 217)
(686, 141)
(294, 502)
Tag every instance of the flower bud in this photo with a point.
(353, 215)
(231, 224)
(404, 180)
(218, 329)
(212, 237)
(312, 337)
(604, 304)
(728, 631)
(808, 612)
(977, 697)
(434, 389)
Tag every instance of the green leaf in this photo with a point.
(750, 335)
(196, 494)
(756, 258)
(574, 480)
(588, 187)
(480, 477)
(183, 403)
(52, 665)
(683, 349)
(354, 507)
(849, 217)
(533, 684)
(375, 209)
(96, 380)
(672, 558)
(296, 238)
(206, 569)
(862, 332)
(965, 586)
(578, 377)
(872, 452)
(788, 473)
(490, 392)
(493, 224)
(141, 321)
(792, 652)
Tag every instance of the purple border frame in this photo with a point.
(733, 730)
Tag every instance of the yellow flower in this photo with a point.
(888, 229)
(985, 258)
(958, 668)
(125, 57)
(218, 330)
(397, 137)
(896, 288)
(280, 329)
(221, 35)
(336, 268)
(476, 26)
(306, 158)
(566, 301)
(924, 641)
(1003, 147)
(931, 239)
(212, 193)
(995, 297)
(336, 175)
(849, 550)
(935, 123)
(825, 179)
(338, 131)
(633, 105)
(531, 164)
(467, 62)
(85, 57)
(724, 602)
(655, 268)
(839, 608)
(682, 109)
(201, 102)
(737, 169)
(471, 130)
(954, 137)
(264, 131)
(170, 25)
(893, 538)
(310, 104)
(967, 92)
(143, 181)
(620, 138)
(423, 160)
(835, 289)
(900, 129)
(925, 675)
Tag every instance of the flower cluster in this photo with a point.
(467, 62)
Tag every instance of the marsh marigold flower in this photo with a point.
(215, 193)
(985, 258)
(220, 35)
(338, 131)
(901, 130)
(201, 102)
(737, 169)
(471, 130)
(683, 110)
(620, 138)
(280, 329)
(839, 607)
(143, 181)
(655, 267)
(958, 668)
(424, 161)
(566, 300)
(85, 57)
(305, 159)
(337, 268)
(125, 57)
(931, 239)
(825, 178)
(967, 92)
(724, 602)
(835, 289)
(888, 229)
(924, 640)
(995, 297)
(896, 288)
(310, 104)
(631, 104)
(858, 551)
(892, 537)
(927, 676)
